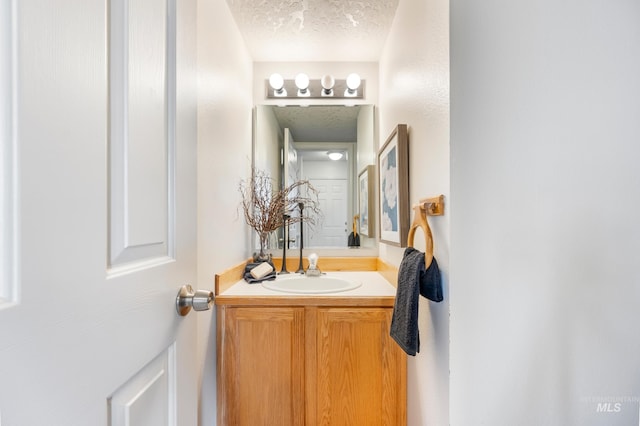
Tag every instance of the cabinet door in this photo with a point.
(261, 370)
(360, 373)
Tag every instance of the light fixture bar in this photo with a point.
(315, 90)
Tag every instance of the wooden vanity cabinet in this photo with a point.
(309, 365)
(357, 373)
(260, 365)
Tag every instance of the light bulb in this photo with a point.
(353, 82)
(277, 83)
(327, 83)
(302, 83)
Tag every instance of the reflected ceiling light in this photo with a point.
(335, 155)
(327, 83)
(353, 82)
(302, 83)
(277, 84)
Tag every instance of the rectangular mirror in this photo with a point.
(328, 145)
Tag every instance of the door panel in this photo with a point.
(142, 141)
(85, 322)
(149, 397)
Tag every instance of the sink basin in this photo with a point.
(310, 285)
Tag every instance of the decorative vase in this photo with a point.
(262, 256)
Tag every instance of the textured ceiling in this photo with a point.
(331, 123)
(314, 30)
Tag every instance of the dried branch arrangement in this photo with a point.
(265, 206)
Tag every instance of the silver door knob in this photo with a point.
(199, 300)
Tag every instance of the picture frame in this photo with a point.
(393, 188)
(366, 201)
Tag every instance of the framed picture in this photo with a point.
(365, 201)
(393, 188)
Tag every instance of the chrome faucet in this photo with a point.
(313, 270)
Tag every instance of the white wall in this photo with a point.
(224, 157)
(545, 196)
(414, 89)
(367, 148)
(325, 170)
(366, 134)
(266, 154)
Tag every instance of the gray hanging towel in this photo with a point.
(431, 283)
(414, 279)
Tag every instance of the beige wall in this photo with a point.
(224, 157)
(414, 89)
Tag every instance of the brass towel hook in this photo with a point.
(426, 207)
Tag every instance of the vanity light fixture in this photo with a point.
(353, 82)
(327, 81)
(277, 84)
(335, 155)
(302, 83)
(302, 86)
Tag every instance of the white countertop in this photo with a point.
(373, 285)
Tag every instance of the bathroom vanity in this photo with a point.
(309, 359)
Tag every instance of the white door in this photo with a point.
(98, 142)
(333, 231)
